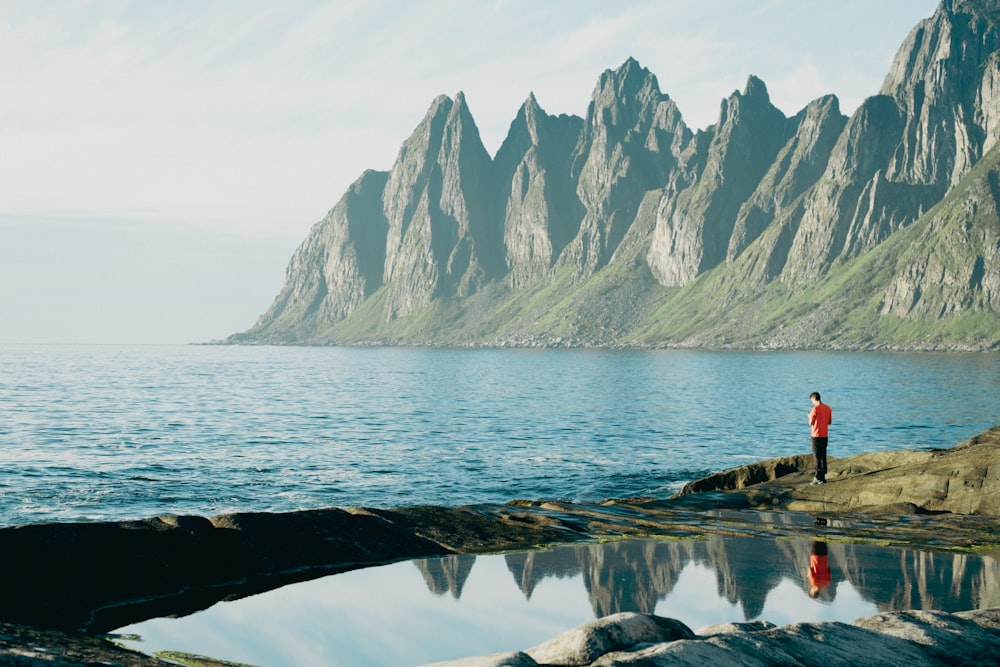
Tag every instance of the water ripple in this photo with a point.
(100, 432)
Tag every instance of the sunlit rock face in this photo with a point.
(626, 228)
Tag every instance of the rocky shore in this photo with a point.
(910, 639)
(66, 584)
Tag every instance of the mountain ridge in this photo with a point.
(624, 228)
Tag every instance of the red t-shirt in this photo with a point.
(820, 418)
(819, 571)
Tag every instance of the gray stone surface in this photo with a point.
(945, 638)
(588, 642)
(906, 639)
(729, 628)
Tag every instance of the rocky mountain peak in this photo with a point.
(531, 114)
(623, 96)
(629, 80)
(754, 100)
(755, 87)
(987, 9)
(947, 78)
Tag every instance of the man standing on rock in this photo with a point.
(820, 418)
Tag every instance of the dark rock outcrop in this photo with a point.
(95, 577)
(24, 646)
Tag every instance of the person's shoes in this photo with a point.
(817, 480)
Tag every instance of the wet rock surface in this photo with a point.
(67, 581)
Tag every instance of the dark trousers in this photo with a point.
(819, 453)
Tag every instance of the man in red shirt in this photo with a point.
(820, 418)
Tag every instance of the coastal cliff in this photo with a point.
(626, 227)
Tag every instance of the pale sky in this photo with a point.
(161, 160)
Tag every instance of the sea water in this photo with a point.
(119, 432)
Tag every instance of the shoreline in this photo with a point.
(80, 580)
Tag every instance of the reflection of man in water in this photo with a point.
(819, 569)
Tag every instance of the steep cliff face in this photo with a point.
(951, 266)
(694, 228)
(944, 76)
(831, 207)
(631, 143)
(443, 237)
(777, 203)
(906, 147)
(624, 228)
(537, 195)
(336, 268)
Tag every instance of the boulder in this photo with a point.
(586, 643)
(729, 628)
(906, 639)
(945, 638)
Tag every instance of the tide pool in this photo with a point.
(430, 610)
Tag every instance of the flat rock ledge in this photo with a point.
(964, 479)
(66, 583)
(910, 639)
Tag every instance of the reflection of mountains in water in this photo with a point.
(634, 575)
(446, 574)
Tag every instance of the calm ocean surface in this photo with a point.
(115, 432)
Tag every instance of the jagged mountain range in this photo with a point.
(880, 230)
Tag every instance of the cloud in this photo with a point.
(258, 115)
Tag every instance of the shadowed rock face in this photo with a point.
(95, 577)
